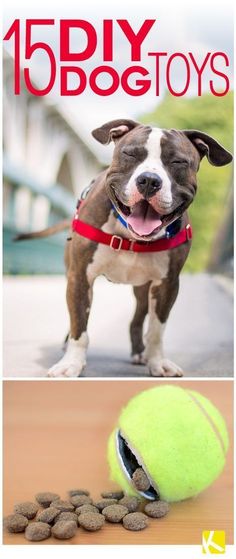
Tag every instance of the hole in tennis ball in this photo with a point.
(130, 464)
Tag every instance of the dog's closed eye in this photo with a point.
(129, 153)
(182, 162)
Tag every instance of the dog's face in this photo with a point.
(152, 178)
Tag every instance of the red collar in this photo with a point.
(120, 243)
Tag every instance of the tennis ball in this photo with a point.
(177, 436)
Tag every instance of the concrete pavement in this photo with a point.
(199, 334)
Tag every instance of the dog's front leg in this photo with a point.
(79, 299)
(161, 298)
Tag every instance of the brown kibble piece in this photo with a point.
(73, 492)
(67, 516)
(91, 521)
(86, 508)
(135, 521)
(63, 506)
(115, 513)
(79, 500)
(27, 508)
(157, 509)
(47, 515)
(64, 529)
(37, 531)
(15, 523)
(132, 503)
(112, 495)
(105, 503)
(140, 480)
(45, 499)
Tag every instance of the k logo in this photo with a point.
(213, 541)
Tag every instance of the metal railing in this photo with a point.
(21, 195)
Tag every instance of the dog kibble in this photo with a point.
(131, 503)
(63, 506)
(157, 509)
(105, 503)
(45, 499)
(27, 509)
(91, 521)
(135, 521)
(115, 513)
(62, 518)
(15, 523)
(37, 531)
(112, 495)
(47, 515)
(67, 516)
(86, 508)
(73, 492)
(140, 480)
(64, 529)
(79, 500)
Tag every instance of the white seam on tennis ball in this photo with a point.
(140, 462)
(210, 421)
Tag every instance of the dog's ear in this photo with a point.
(206, 145)
(113, 130)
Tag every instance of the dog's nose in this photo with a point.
(148, 184)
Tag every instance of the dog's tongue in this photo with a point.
(143, 219)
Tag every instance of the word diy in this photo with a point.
(135, 79)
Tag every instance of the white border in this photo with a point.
(103, 551)
(108, 551)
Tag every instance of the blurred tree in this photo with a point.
(213, 115)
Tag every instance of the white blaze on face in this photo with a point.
(162, 200)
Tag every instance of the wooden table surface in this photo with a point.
(55, 435)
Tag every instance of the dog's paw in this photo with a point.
(138, 359)
(64, 368)
(164, 368)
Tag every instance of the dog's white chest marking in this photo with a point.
(126, 267)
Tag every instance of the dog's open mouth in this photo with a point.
(129, 463)
(142, 219)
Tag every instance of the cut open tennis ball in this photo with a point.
(177, 436)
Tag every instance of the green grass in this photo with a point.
(213, 115)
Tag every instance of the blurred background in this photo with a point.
(49, 159)
(49, 156)
(212, 211)
(46, 164)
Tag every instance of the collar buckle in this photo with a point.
(188, 232)
(116, 242)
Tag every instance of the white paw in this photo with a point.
(74, 360)
(138, 359)
(164, 368)
(66, 368)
